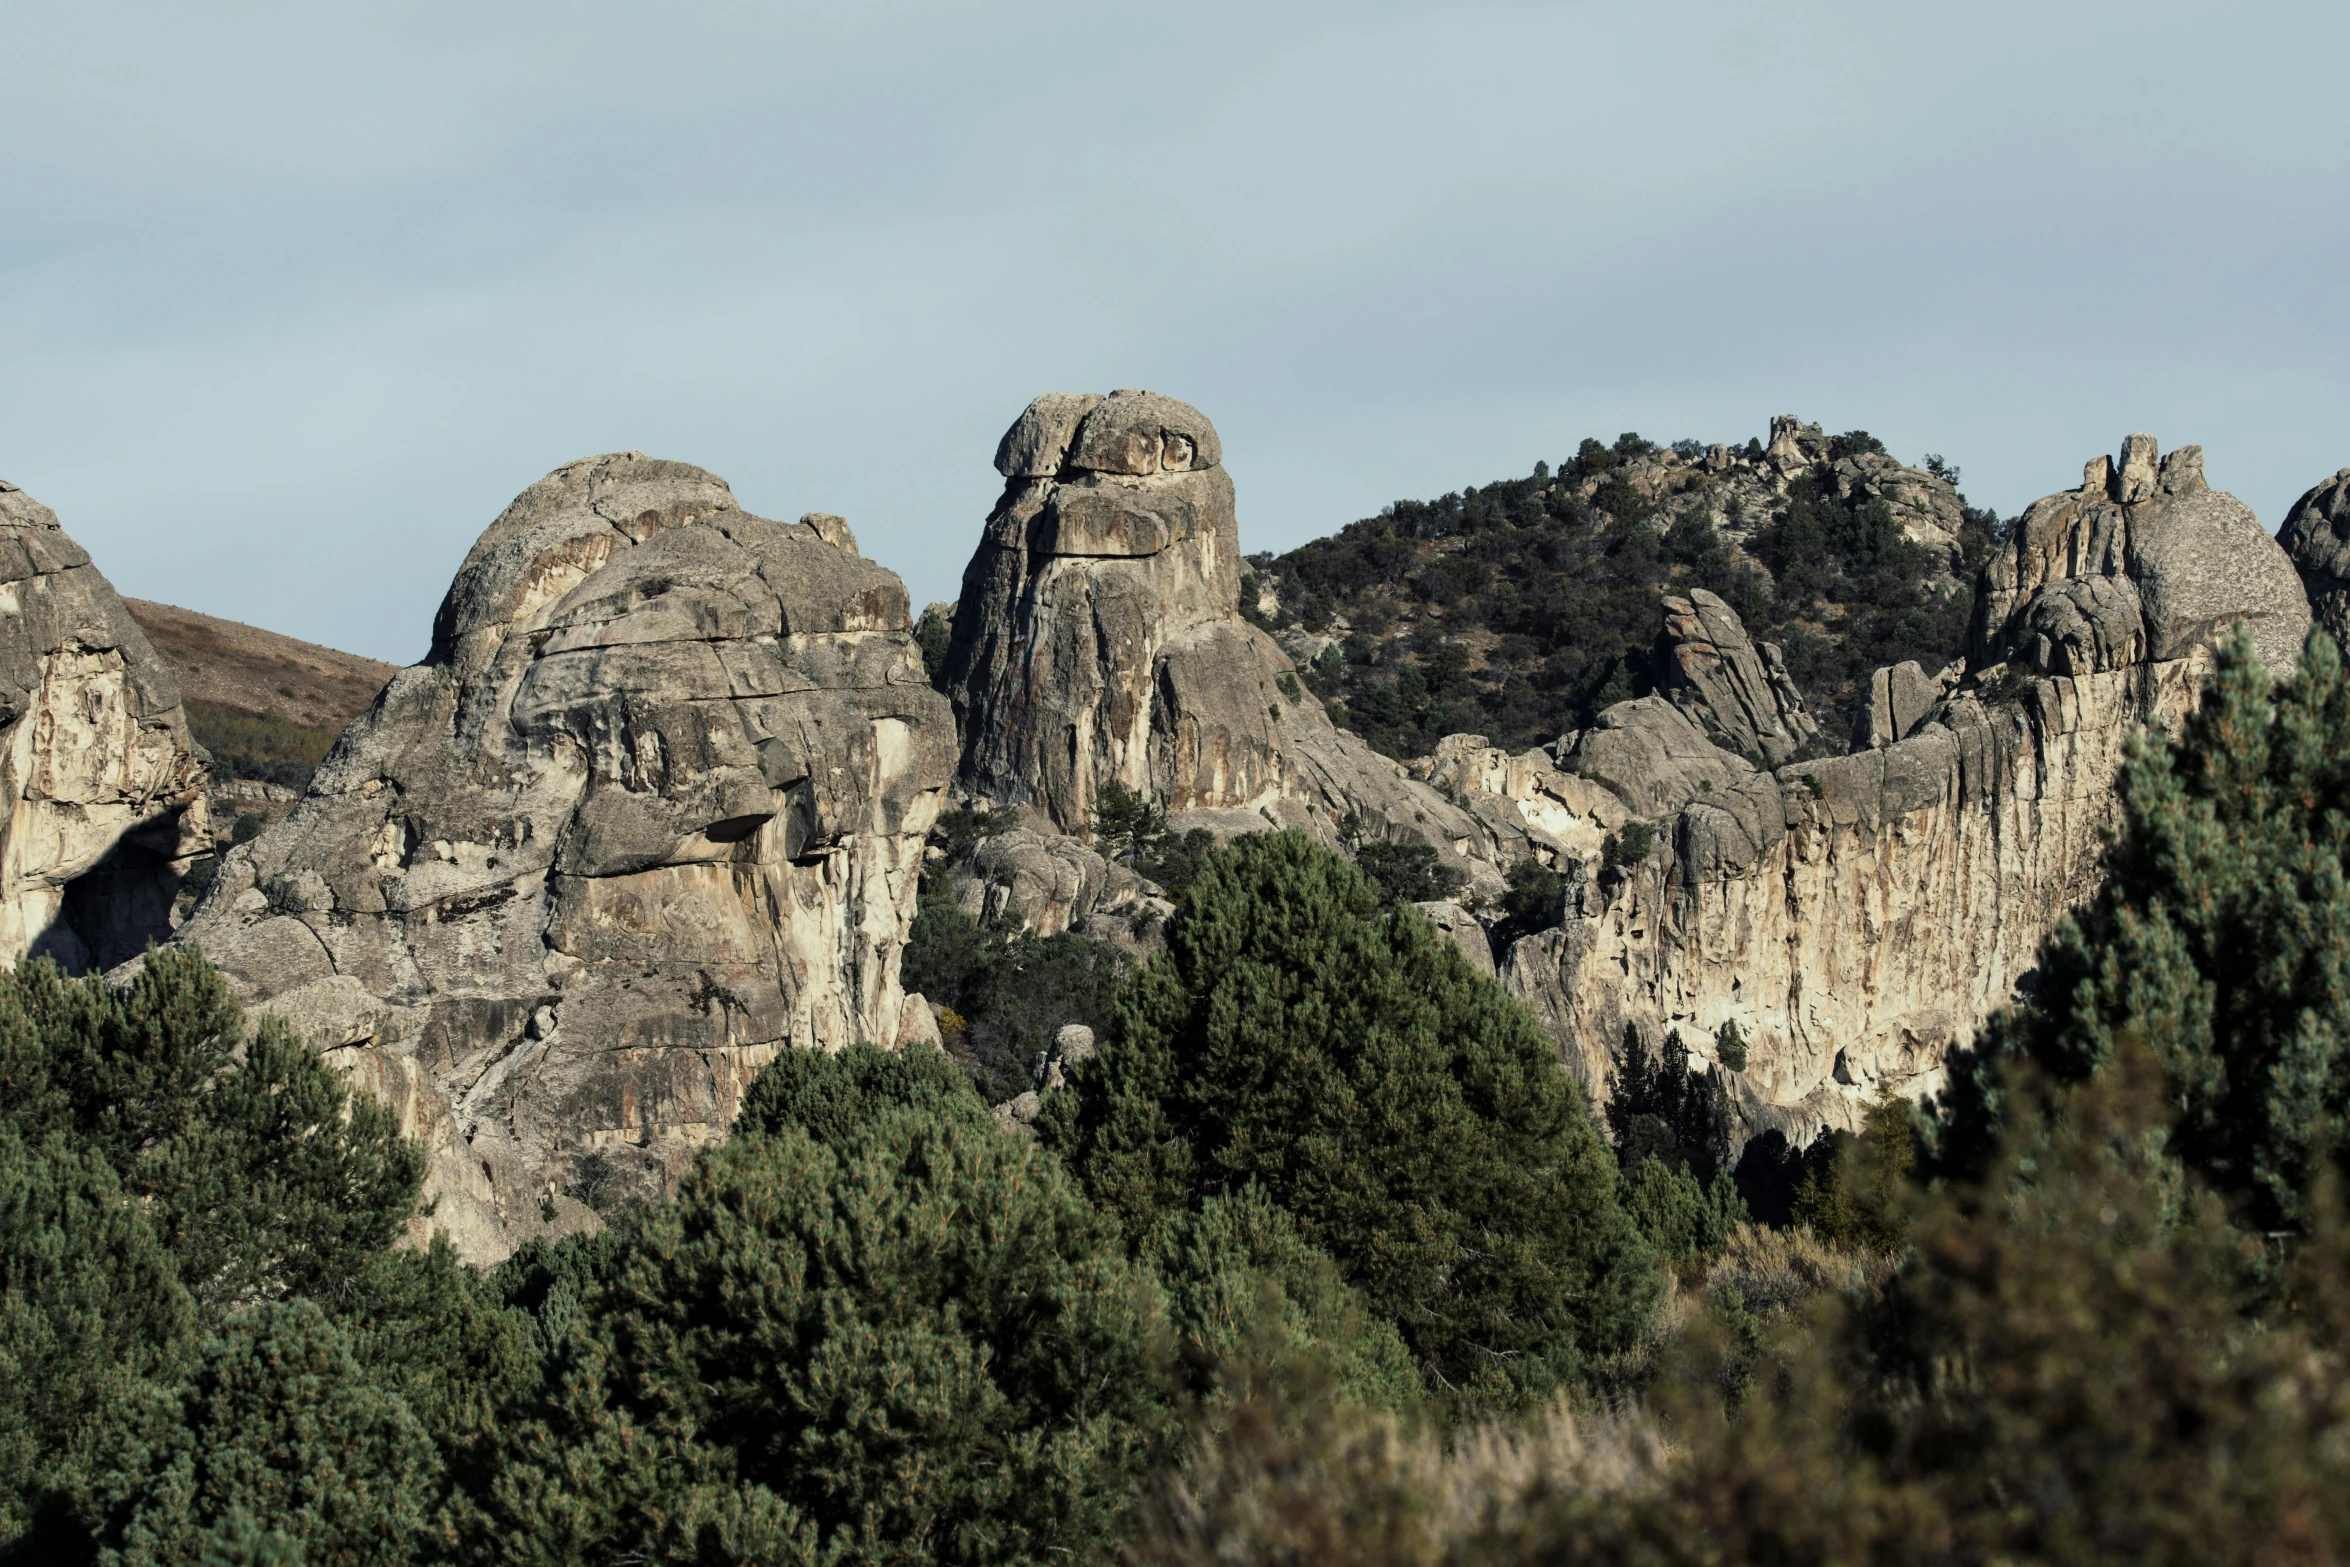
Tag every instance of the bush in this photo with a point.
(1302, 1032)
(919, 1344)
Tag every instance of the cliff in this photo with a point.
(101, 788)
(1857, 917)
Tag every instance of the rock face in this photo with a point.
(2317, 535)
(1736, 691)
(652, 811)
(101, 789)
(1857, 917)
(1098, 640)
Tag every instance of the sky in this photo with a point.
(295, 298)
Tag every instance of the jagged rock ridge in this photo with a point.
(1857, 917)
(101, 789)
(651, 811)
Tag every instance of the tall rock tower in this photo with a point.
(652, 811)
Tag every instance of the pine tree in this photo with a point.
(262, 1174)
(2222, 939)
(915, 1344)
(1302, 1032)
(92, 1315)
(279, 1433)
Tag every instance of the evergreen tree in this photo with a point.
(1245, 1291)
(1303, 1032)
(261, 1172)
(916, 1344)
(91, 1315)
(834, 1096)
(2222, 939)
(278, 1443)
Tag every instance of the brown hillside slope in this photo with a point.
(223, 663)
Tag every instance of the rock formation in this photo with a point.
(1857, 917)
(652, 810)
(1098, 640)
(2317, 535)
(101, 789)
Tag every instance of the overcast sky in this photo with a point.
(296, 298)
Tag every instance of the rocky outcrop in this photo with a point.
(2317, 536)
(1739, 693)
(652, 810)
(1858, 917)
(2142, 564)
(101, 789)
(1098, 640)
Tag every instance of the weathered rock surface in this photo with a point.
(101, 789)
(1858, 917)
(652, 811)
(1737, 692)
(2317, 536)
(1098, 640)
(2160, 563)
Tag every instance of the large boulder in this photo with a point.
(101, 790)
(2316, 535)
(1098, 640)
(652, 811)
(2180, 563)
(1734, 690)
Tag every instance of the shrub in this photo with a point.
(1301, 1031)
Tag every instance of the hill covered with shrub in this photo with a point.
(1520, 608)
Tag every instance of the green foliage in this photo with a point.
(1730, 1046)
(934, 633)
(1245, 1288)
(1628, 847)
(92, 1314)
(246, 828)
(1532, 903)
(1858, 1201)
(261, 1173)
(832, 1096)
(1014, 991)
(1409, 872)
(1683, 1218)
(1303, 1032)
(434, 1331)
(2222, 940)
(279, 1441)
(260, 746)
(1128, 827)
(919, 1345)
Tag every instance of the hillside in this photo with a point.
(266, 706)
(1521, 608)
